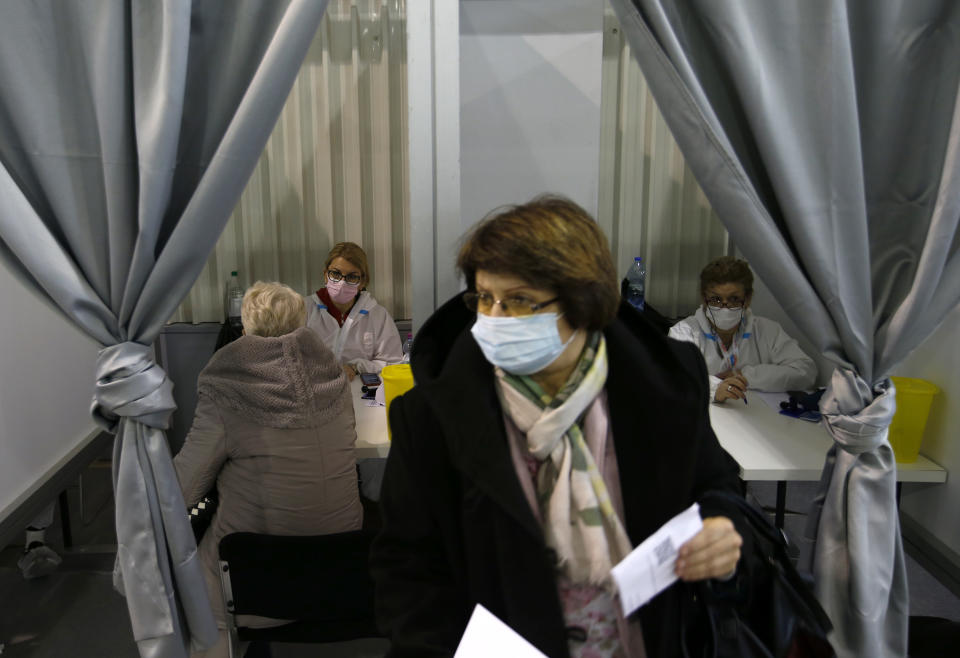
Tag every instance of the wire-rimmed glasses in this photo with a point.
(514, 305)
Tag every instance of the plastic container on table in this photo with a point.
(914, 397)
(397, 380)
(233, 299)
(637, 283)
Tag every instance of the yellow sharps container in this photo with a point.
(397, 380)
(914, 397)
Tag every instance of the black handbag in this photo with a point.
(770, 613)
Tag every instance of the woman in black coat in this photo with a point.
(548, 433)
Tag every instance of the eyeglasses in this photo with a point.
(515, 305)
(730, 302)
(352, 279)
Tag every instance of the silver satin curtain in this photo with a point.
(826, 134)
(127, 132)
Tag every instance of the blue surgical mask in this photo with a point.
(520, 345)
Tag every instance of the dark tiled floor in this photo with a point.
(78, 614)
(65, 614)
(75, 612)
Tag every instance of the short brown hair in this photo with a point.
(726, 270)
(272, 309)
(354, 253)
(551, 243)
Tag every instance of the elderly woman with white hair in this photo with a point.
(274, 430)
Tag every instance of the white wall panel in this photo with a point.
(530, 102)
(934, 507)
(48, 368)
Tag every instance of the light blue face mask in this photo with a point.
(522, 345)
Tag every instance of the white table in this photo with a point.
(372, 441)
(767, 445)
(773, 447)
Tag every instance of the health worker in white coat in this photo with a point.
(359, 332)
(741, 350)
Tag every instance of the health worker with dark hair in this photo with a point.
(741, 350)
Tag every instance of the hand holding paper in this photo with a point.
(645, 572)
(712, 553)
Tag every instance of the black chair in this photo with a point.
(321, 582)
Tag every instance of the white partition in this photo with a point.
(46, 385)
(530, 82)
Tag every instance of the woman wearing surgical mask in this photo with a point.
(360, 333)
(530, 456)
(741, 350)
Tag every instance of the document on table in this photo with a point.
(648, 569)
(772, 400)
(487, 636)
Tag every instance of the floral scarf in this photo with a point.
(579, 521)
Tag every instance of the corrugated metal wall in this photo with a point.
(650, 205)
(334, 169)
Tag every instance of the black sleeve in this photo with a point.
(715, 468)
(419, 604)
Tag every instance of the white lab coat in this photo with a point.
(368, 339)
(768, 358)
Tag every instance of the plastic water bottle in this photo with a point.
(234, 298)
(636, 283)
(408, 346)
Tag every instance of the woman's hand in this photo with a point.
(733, 386)
(712, 553)
(351, 372)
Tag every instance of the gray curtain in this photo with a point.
(127, 132)
(826, 134)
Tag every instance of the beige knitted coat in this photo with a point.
(274, 429)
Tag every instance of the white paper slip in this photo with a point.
(648, 570)
(487, 636)
(772, 400)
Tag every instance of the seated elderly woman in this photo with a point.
(274, 430)
(547, 435)
(741, 350)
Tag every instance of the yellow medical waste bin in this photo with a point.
(397, 380)
(914, 397)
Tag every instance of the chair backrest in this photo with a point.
(324, 578)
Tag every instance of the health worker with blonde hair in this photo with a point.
(360, 332)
